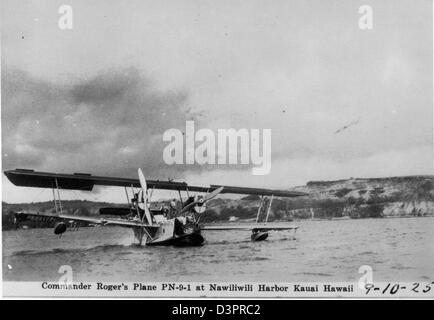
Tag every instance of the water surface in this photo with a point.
(396, 249)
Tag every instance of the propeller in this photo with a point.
(143, 197)
(201, 201)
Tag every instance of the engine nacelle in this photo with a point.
(200, 208)
(60, 228)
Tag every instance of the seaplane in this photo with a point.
(172, 225)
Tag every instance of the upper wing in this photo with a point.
(253, 228)
(86, 182)
(21, 216)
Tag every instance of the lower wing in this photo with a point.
(250, 228)
(22, 216)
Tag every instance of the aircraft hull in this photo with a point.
(186, 240)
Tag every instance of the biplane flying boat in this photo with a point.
(162, 226)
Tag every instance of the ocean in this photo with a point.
(399, 249)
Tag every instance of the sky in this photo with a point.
(341, 102)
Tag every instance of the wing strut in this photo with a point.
(261, 204)
(269, 207)
(261, 201)
(58, 198)
(128, 200)
(180, 198)
(55, 202)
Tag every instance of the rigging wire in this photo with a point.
(38, 194)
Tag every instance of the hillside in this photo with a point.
(353, 198)
(375, 197)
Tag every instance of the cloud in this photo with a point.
(110, 124)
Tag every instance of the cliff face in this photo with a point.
(413, 208)
(405, 188)
(379, 197)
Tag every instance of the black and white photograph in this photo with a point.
(217, 149)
